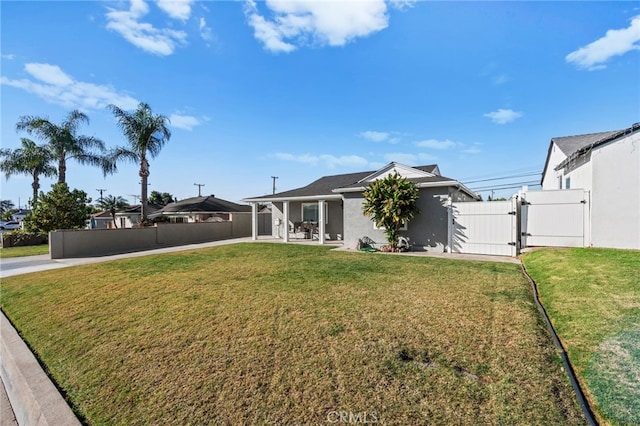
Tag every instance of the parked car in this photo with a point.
(6, 226)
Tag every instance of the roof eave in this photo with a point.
(295, 198)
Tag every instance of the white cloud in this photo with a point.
(297, 23)
(9, 56)
(500, 79)
(503, 116)
(185, 122)
(205, 31)
(436, 144)
(475, 149)
(177, 9)
(51, 74)
(141, 34)
(615, 43)
(375, 136)
(331, 161)
(409, 159)
(55, 86)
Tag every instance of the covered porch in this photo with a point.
(315, 219)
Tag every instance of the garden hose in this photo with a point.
(584, 404)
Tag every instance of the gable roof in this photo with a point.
(208, 204)
(331, 186)
(574, 146)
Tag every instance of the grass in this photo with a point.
(593, 299)
(23, 251)
(271, 333)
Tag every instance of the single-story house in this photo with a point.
(606, 164)
(131, 216)
(100, 220)
(200, 209)
(330, 208)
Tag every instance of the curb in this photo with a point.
(34, 398)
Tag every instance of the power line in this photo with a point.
(510, 185)
(525, 169)
(502, 178)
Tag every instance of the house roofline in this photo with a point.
(298, 198)
(635, 127)
(460, 186)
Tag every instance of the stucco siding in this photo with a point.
(580, 172)
(428, 230)
(615, 205)
(556, 157)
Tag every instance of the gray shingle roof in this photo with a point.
(570, 144)
(430, 179)
(205, 204)
(326, 184)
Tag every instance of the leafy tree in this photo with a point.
(112, 204)
(6, 209)
(391, 202)
(65, 144)
(146, 134)
(161, 198)
(59, 209)
(30, 159)
(6, 205)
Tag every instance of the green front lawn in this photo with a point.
(593, 299)
(24, 251)
(285, 334)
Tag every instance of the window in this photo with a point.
(310, 212)
(123, 222)
(559, 182)
(567, 183)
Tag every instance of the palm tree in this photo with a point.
(65, 144)
(32, 160)
(112, 204)
(146, 134)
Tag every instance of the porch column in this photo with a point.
(450, 225)
(285, 219)
(254, 221)
(321, 221)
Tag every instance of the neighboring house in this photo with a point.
(101, 220)
(607, 165)
(330, 208)
(20, 214)
(200, 209)
(130, 217)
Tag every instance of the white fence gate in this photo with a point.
(555, 218)
(484, 227)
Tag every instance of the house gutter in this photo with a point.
(298, 198)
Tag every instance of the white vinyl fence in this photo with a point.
(484, 228)
(529, 219)
(555, 218)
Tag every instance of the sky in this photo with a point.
(303, 89)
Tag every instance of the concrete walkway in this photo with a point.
(31, 398)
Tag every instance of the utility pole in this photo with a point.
(274, 183)
(199, 185)
(100, 191)
(135, 197)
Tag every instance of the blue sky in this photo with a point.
(300, 90)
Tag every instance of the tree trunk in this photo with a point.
(113, 216)
(35, 185)
(62, 170)
(144, 204)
